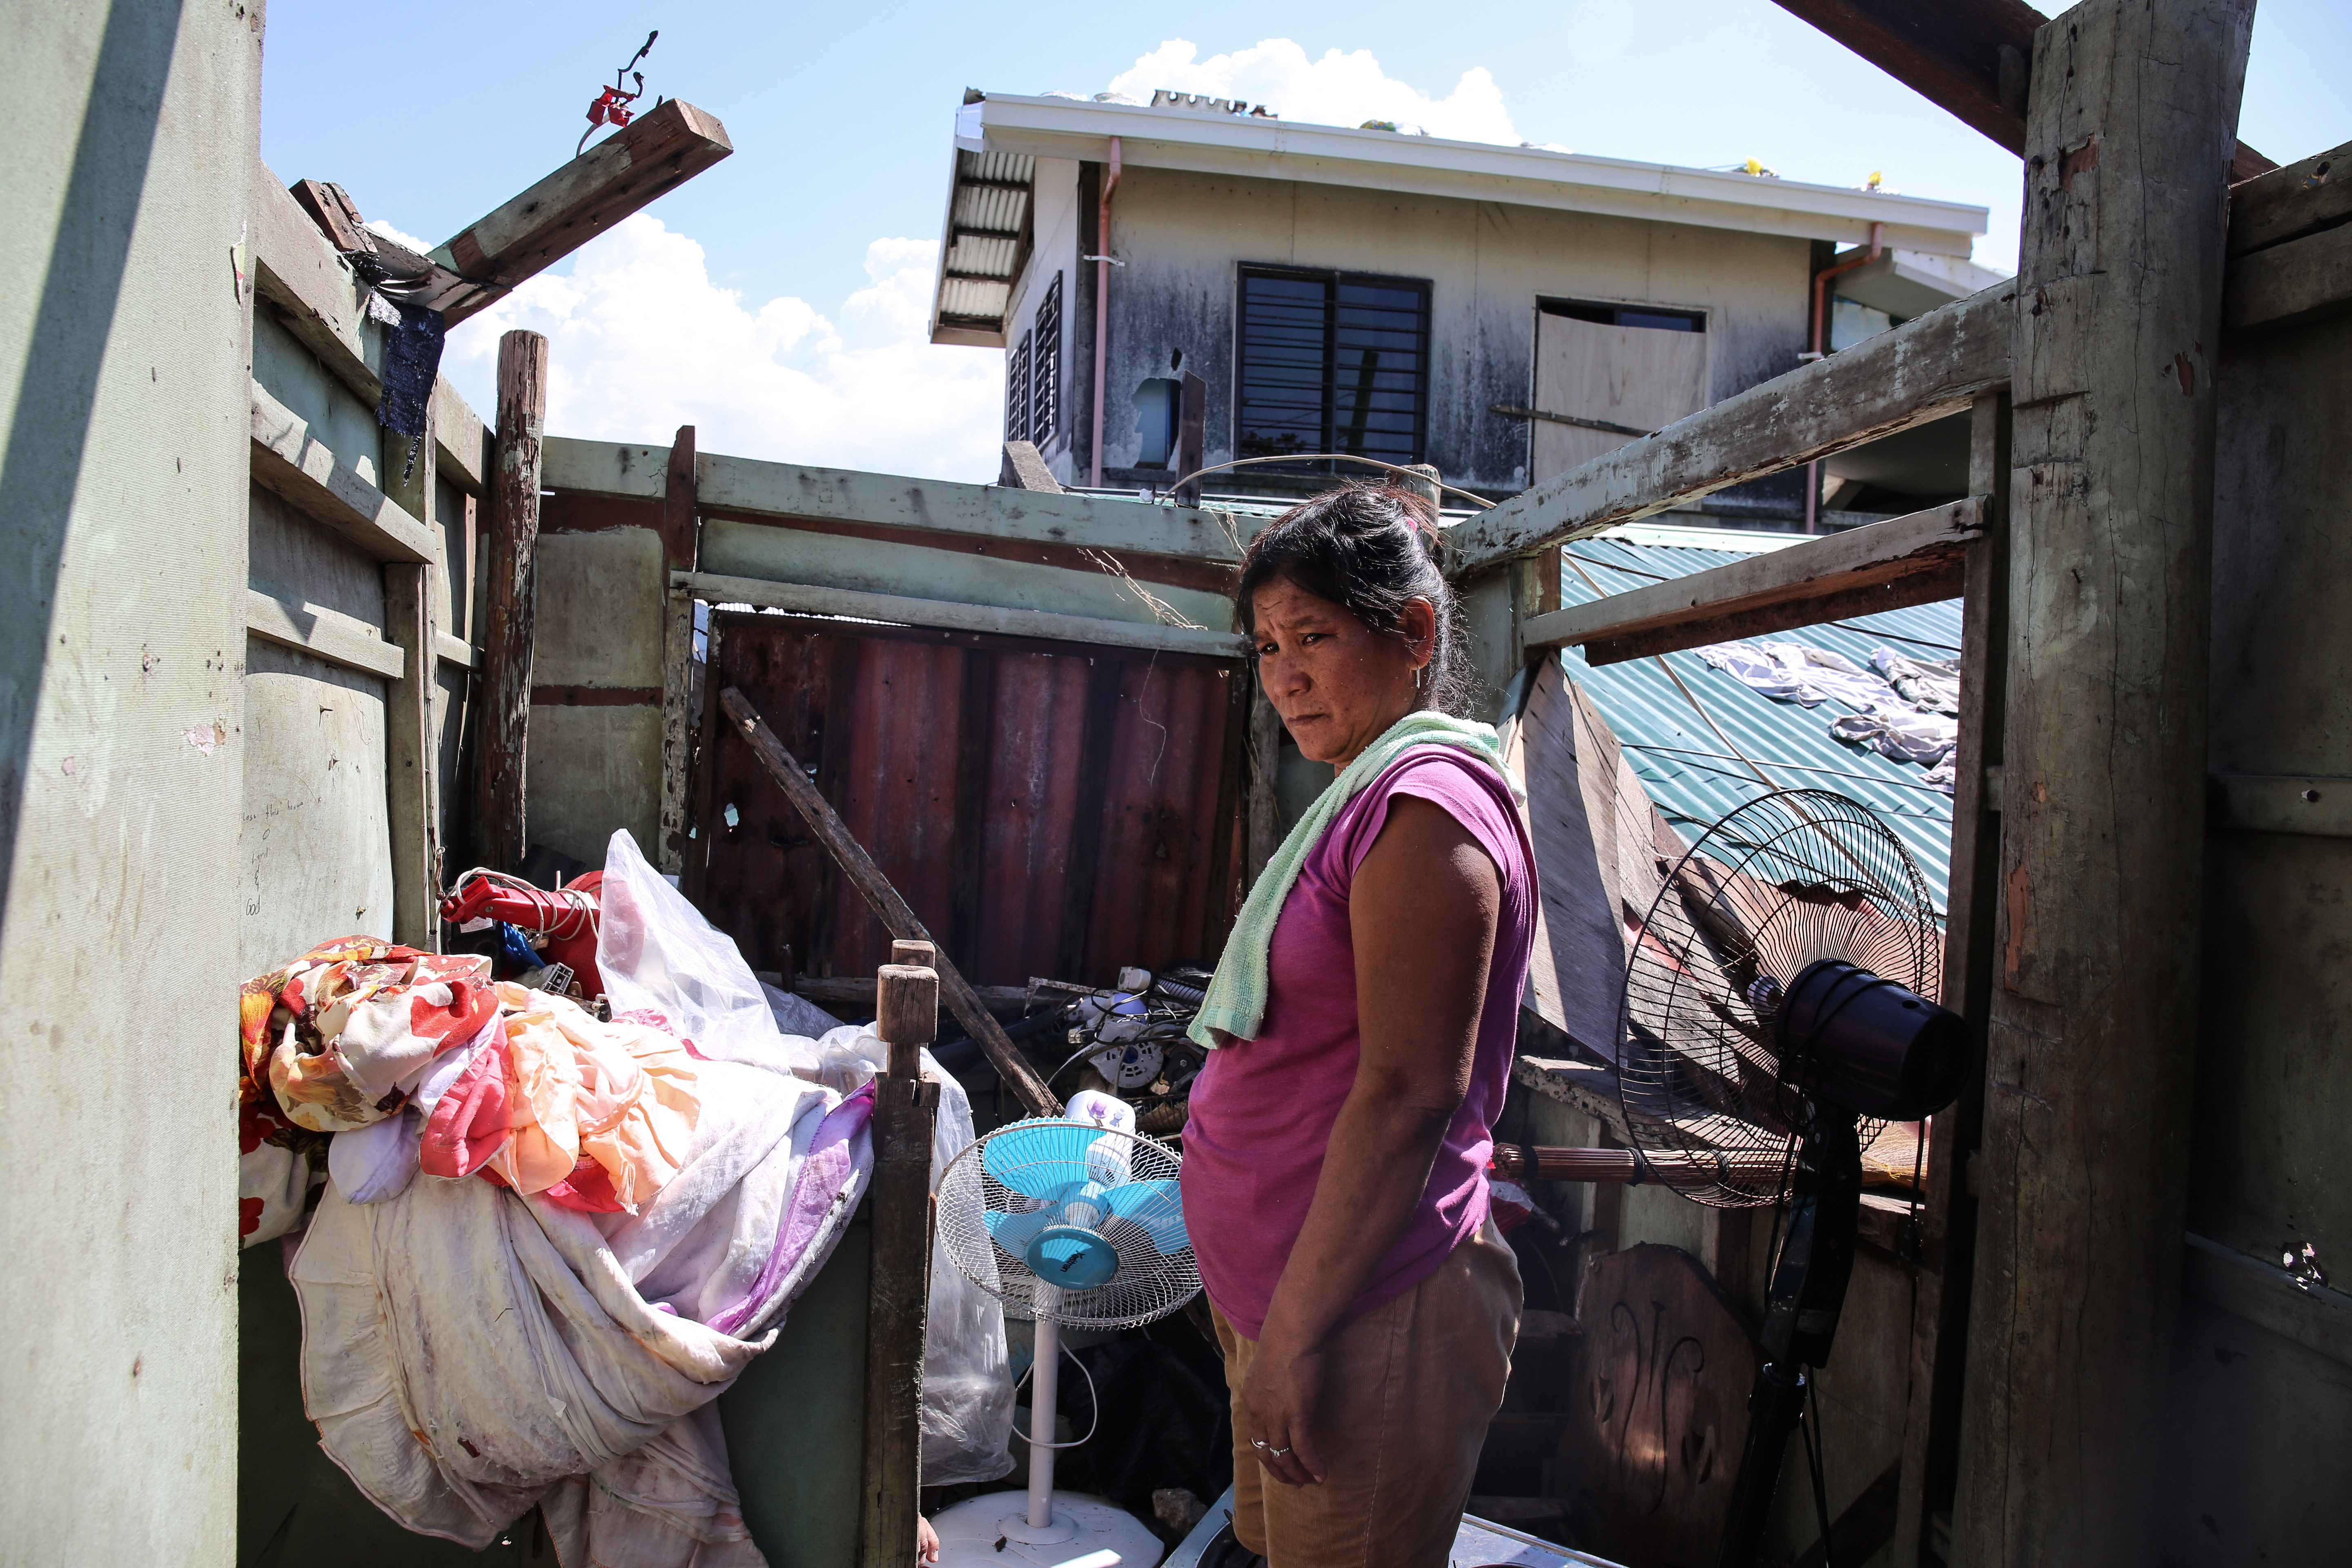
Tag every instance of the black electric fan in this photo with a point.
(1775, 1013)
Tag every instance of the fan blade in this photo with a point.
(1015, 1232)
(1154, 1207)
(1039, 1159)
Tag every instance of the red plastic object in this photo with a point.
(569, 919)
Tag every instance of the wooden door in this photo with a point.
(1641, 377)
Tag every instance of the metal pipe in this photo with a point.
(1102, 308)
(1820, 331)
(1044, 1389)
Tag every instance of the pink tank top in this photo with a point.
(1262, 1109)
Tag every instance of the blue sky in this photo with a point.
(772, 299)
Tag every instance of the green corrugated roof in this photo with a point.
(1683, 763)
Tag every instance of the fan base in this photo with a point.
(970, 1532)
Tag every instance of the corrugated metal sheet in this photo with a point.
(971, 297)
(1003, 168)
(975, 256)
(1045, 808)
(1682, 760)
(992, 209)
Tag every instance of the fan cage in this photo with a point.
(1148, 1284)
(1787, 880)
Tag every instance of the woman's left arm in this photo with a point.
(1424, 908)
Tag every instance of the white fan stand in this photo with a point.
(1056, 1530)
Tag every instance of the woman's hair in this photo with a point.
(1369, 548)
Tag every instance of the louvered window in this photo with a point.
(1045, 368)
(1333, 362)
(1016, 393)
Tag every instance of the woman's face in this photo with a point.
(1337, 683)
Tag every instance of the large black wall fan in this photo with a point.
(1776, 1012)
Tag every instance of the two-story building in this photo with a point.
(1501, 312)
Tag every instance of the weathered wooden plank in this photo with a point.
(454, 650)
(290, 463)
(2316, 1317)
(2290, 283)
(661, 150)
(463, 444)
(1923, 370)
(884, 900)
(803, 599)
(2292, 201)
(324, 634)
(680, 519)
(1913, 560)
(754, 491)
(311, 291)
(2093, 1011)
(1948, 1214)
(416, 602)
(2254, 803)
(678, 723)
(899, 1299)
(1967, 56)
(510, 618)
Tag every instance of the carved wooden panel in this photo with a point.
(1654, 1433)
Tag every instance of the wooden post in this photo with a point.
(511, 571)
(884, 900)
(907, 1007)
(1947, 1212)
(411, 749)
(2091, 1059)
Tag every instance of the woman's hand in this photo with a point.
(1279, 1397)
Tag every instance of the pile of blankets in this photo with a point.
(1901, 708)
(535, 1246)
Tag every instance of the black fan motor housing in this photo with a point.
(1870, 1045)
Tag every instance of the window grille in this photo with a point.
(1333, 362)
(1045, 368)
(1016, 393)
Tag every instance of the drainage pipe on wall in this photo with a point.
(1820, 335)
(1102, 308)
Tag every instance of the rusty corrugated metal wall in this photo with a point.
(1046, 808)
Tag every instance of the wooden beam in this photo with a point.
(310, 290)
(681, 523)
(2259, 802)
(2092, 1058)
(1923, 370)
(2299, 280)
(289, 463)
(898, 1302)
(678, 726)
(1939, 1300)
(1024, 469)
(524, 236)
(323, 634)
(2288, 203)
(749, 489)
(1890, 565)
(884, 900)
(464, 457)
(803, 599)
(510, 618)
(1966, 57)
(415, 602)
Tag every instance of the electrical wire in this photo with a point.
(1094, 1403)
(1483, 504)
(586, 913)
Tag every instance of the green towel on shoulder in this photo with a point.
(1237, 999)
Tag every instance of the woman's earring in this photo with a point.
(1420, 678)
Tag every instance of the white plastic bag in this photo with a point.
(967, 1375)
(657, 952)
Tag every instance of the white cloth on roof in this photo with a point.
(1899, 709)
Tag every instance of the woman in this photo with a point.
(1363, 1016)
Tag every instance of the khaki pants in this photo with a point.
(1408, 1391)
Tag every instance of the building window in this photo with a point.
(1016, 393)
(1333, 362)
(1045, 367)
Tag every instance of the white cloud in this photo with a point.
(640, 341)
(1337, 89)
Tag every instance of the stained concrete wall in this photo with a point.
(1184, 235)
(123, 365)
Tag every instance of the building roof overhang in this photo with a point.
(993, 127)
